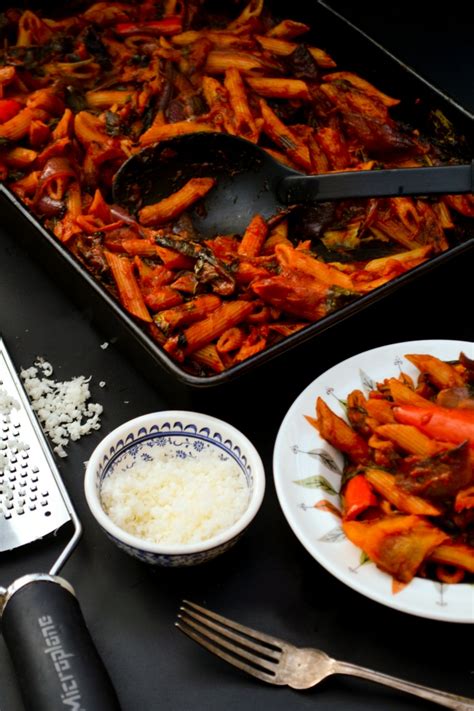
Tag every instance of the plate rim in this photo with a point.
(394, 602)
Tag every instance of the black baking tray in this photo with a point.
(353, 51)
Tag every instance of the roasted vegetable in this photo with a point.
(408, 475)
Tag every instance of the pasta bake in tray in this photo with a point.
(84, 89)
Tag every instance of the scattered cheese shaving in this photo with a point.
(61, 407)
(7, 403)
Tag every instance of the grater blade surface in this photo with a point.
(31, 501)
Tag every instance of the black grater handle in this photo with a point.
(54, 656)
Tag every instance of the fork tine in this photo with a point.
(244, 642)
(220, 638)
(234, 661)
(255, 635)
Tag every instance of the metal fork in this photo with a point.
(278, 662)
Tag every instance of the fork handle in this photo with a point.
(442, 698)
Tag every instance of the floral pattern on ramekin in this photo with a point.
(179, 441)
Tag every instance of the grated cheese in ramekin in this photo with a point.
(171, 501)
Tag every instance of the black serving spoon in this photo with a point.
(250, 182)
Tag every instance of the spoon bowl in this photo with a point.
(246, 185)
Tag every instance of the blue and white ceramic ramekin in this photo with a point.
(184, 434)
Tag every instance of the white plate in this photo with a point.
(301, 455)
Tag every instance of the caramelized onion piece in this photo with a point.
(456, 397)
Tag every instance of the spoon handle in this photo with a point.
(442, 698)
(393, 182)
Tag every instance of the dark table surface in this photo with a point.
(267, 580)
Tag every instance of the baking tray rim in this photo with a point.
(153, 349)
(290, 342)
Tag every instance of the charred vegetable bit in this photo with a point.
(437, 477)
(80, 92)
(407, 486)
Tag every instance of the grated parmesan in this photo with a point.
(170, 501)
(7, 404)
(61, 407)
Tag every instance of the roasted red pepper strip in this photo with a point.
(171, 25)
(442, 423)
(358, 496)
(8, 109)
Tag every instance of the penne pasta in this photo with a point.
(402, 394)
(19, 157)
(242, 116)
(231, 340)
(106, 99)
(411, 257)
(200, 334)
(322, 58)
(385, 485)
(162, 298)
(409, 439)
(169, 208)
(284, 138)
(219, 61)
(74, 200)
(334, 147)
(443, 375)
(217, 99)
(252, 10)
(333, 428)
(296, 259)
(254, 237)
(16, 127)
(458, 555)
(185, 314)
(279, 88)
(362, 84)
(83, 92)
(209, 358)
(129, 291)
(288, 29)
(161, 132)
(89, 129)
(276, 46)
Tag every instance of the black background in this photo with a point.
(268, 580)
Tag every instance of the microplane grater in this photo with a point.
(32, 503)
(33, 499)
(53, 653)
